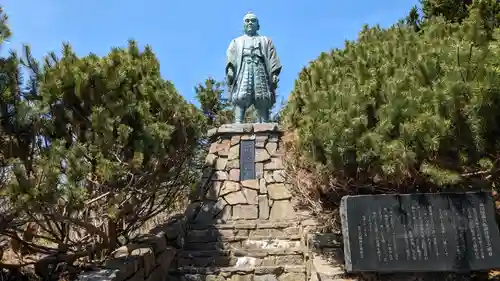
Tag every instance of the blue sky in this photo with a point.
(189, 37)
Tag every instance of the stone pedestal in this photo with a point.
(242, 225)
(222, 196)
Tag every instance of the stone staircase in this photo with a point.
(243, 250)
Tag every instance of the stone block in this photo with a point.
(222, 148)
(165, 259)
(101, 275)
(262, 186)
(274, 164)
(263, 207)
(157, 243)
(213, 190)
(271, 148)
(278, 191)
(192, 277)
(122, 268)
(276, 270)
(233, 164)
(127, 250)
(235, 128)
(148, 259)
(220, 176)
(210, 160)
(192, 210)
(225, 214)
(220, 164)
(203, 235)
(268, 176)
(251, 196)
(173, 230)
(269, 261)
(279, 176)
(235, 140)
(292, 276)
(229, 187)
(265, 127)
(213, 277)
(261, 155)
(266, 277)
(252, 184)
(242, 277)
(209, 210)
(259, 170)
(236, 198)
(234, 152)
(213, 148)
(281, 210)
(260, 141)
(290, 260)
(245, 212)
(234, 174)
(319, 241)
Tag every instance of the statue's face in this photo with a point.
(251, 24)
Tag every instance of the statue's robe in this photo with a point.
(260, 95)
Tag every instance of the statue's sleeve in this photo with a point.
(231, 56)
(274, 60)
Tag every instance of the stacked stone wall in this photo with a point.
(148, 258)
(243, 229)
(222, 196)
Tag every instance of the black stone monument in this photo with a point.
(247, 160)
(445, 232)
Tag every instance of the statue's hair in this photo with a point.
(250, 13)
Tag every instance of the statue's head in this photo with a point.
(251, 24)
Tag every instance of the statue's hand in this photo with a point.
(276, 79)
(230, 76)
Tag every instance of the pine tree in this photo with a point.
(402, 109)
(111, 144)
(457, 11)
(215, 108)
(451, 10)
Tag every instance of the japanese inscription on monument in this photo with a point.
(247, 160)
(420, 232)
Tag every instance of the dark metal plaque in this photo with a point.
(420, 232)
(247, 160)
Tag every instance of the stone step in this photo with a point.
(243, 243)
(326, 267)
(258, 270)
(327, 277)
(242, 253)
(246, 224)
(254, 257)
(220, 236)
(320, 241)
(238, 231)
